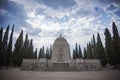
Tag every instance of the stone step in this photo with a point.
(60, 67)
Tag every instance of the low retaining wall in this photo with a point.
(74, 65)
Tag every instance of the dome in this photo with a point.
(60, 38)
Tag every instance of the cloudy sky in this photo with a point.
(45, 20)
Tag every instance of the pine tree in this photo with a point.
(4, 47)
(17, 54)
(116, 44)
(100, 50)
(9, 49)
(108, 46)
(80, 52)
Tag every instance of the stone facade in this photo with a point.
(60, 51)
(61, 60)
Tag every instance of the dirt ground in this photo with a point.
(17, 74)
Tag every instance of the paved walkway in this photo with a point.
(17, 74)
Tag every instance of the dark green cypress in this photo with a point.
(76, 50)
(40, 53)
(90, 51)
(35, 54)
(1, 35)
(74, 54)
(89, 54)
(100, 50)
(9, 49)
(50, 52)
(80, 52)
(94, 46)
(25, 47)
(43, 52)
(4, 47)
(31, 49)
(17, 54)
(85, 53)
(47, 53)
(1, 38)
(108, 46)
(115, 44)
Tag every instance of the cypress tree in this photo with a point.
(31, 49)
(40, 53)
(43, 52)
(90, 51)
(47, 53)
(9, 49)
(93, 46)
(89, 54)
(4, 47)
(108, 46)
(25, 47)
(17, 54)
(80, 52)
(35, 54)
(116, 44)
(85, 53)
(50, 52)
(100, 50)
(74, 54)
(76, 51)
(1, 36)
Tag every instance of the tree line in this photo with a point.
(95, 50)
(23, 49)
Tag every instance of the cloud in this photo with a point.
(12, 13)
(117, 13)
(58, 4)
(45, 20)
(112, 7)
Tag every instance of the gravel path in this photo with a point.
(17, 74)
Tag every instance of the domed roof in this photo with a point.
(60, 38)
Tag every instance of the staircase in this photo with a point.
(60, 67)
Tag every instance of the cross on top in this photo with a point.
(60, 35)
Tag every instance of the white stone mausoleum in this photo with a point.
(61, 60)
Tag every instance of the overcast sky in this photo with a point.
(45, 20)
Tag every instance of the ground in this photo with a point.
(17, 74)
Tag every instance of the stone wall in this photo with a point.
(88, 64)
(76, 64)
(33, 64)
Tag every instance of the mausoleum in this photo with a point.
(61, 60)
